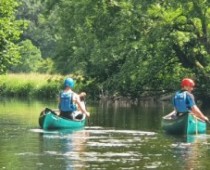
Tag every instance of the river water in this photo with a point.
(117, 136)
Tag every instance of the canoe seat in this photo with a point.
(78, 116)
(173, 116)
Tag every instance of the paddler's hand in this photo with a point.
(87, 114)
(206, 119)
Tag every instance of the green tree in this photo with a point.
(10, 31)
(40, 26)
(30, 58)
(132, 46)
(180, 31)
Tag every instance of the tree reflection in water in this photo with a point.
(191, 152)
(65, 147)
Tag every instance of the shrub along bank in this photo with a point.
(35, 85)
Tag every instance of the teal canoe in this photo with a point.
(184, 124)
(48, 120)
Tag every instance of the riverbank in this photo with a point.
(33, 85)
(48, 86)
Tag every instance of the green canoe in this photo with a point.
(48, 119)
(184, 124)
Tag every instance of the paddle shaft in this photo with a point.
(207, 121)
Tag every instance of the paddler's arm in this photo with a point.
(81, 106)
(197, 112)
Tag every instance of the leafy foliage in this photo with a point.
(130, 48)
(30, 58)
(10, 31)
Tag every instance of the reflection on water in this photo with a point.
(94, 148)
(115, 149)
(66, 146)
(116, 137)
(103, 148)
(192, 153)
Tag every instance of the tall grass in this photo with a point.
(32, 85)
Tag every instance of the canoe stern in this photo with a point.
(49, 120)
(175, 125)
(184, 124)
(195, 125)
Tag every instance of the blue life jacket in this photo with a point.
(180, 102)
(66, 103)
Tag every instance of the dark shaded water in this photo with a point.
(117, 136)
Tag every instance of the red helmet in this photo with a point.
(187, 82)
